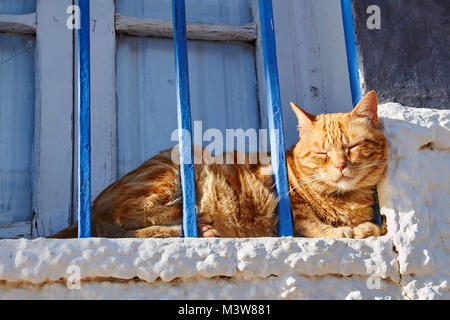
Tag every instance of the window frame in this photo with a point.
(54, 152)
(51, 168)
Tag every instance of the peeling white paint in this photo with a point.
(410, 262)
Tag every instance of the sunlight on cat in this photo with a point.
(332, 170)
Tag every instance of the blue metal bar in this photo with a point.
(376, 209)
(184, 119)
(352, 53)
(353, 71)
(84, 130)
(275, 118)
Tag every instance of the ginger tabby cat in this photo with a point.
(332, 170)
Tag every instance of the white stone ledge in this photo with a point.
(42, 260)
(288, 286)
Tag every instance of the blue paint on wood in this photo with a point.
(353, 71)
(275, 118)
(184, 119)
(84, 134)
(376, 209)
(352, 53)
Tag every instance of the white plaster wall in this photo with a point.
(410, 262)
(415, 197)
(312, 60)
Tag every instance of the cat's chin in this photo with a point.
(341, 185)
(345, 184)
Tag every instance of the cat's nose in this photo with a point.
(341, 165)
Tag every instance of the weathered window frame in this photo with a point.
(54, 155)
(53, 136)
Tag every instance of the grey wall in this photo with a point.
(408, 59)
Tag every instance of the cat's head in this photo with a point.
(341, 151)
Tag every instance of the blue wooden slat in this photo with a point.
(84, 134)
(353, 71)
(184, 119)
(352, 53)
(376, 209)
(275, 118)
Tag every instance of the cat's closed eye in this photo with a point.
(321, 153)
(365, 148)
(352, 147)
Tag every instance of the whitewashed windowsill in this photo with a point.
(179, 262)
(46, 260)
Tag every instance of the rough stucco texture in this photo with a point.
(415, 197)
(410, 262)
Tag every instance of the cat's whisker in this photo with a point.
(364, 167)
(310, 180)
(297, 187)
(307, 178)
(307, 182)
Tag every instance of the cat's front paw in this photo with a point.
(341, 232)
(365, 230)
(208, 231)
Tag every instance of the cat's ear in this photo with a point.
(368, 108)
(304, 118)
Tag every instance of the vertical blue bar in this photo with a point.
(84, 134)
(184, 119)
(352, 53)
(275, 118)
(353, 72)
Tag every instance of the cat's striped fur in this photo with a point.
(332, 169)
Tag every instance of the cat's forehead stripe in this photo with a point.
(334, 131)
